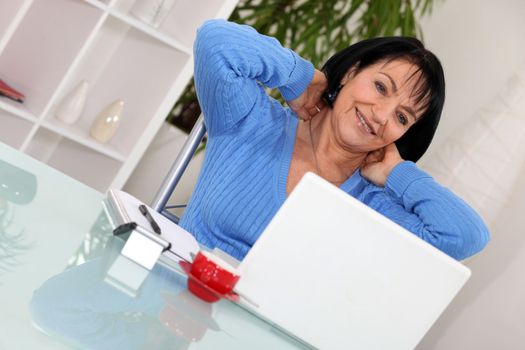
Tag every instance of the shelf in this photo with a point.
(183, 19)
(81, 136)
(72, 158)
(11, 13)
(17, 109)
(137, 24)
(142, 82)
(38, 54)
(47, 47)
(14, 130)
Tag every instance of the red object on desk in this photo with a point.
(203, 291)
(214, 272)
(11, 93)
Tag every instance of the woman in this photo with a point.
(371, 95)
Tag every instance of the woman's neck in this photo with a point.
(334, 162)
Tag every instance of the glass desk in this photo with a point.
(59, 278)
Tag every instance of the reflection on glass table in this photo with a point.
(80, 306)
(17, 187)
(65, 285)
(109, 302)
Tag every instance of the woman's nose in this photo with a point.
(382, 111)
(379, 116)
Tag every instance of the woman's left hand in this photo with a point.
(379, 164)
(309, 103)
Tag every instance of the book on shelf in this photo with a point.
(9, 92)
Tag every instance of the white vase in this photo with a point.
(107, 121)
(152, 12)
(72, 105)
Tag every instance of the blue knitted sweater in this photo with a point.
(251, 137)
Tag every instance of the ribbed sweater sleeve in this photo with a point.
(434, 213)
(231, 63)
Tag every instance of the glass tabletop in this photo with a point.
(64, 284)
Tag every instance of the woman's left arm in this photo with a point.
(432, 212)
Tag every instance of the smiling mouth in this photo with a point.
(362, 121)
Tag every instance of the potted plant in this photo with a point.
(315, 30)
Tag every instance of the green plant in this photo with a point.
(316, 29)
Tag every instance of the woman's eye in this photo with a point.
(402, 119)
(380, 88)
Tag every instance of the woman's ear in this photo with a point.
(346, 78)
(349, 75)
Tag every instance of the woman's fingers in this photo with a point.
(303, 114)
(309, 103)
(316, 109)
(379, 164)
(375, 156)
(391, 151)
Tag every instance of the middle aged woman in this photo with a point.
(366, 119)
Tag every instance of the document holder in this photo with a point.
(144, 246)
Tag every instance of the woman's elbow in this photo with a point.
(209, 32)
(459, 241)
(481, 240)
(472, 242)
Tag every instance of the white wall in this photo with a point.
(155, 165)
(481, 44)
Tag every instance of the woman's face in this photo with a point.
(375, 107)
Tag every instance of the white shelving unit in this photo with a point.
(48, 47)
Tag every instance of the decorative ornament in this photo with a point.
(72, 105)
(107, 121)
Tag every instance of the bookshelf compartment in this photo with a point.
(16, 108)
(11, 13)
(80, 135)
(182, 21)
(81, 163)
(43, 46)
(14, 130)
(182, 26)
(8, 11)
(125, 64)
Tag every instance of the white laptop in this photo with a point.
(338, 275)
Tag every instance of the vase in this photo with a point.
(107, 121)
(72, 105)
(152, 12)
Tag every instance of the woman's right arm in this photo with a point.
(231, 63)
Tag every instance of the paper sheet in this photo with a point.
(182, 242)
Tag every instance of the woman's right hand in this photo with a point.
(309, 103)
(380, 163)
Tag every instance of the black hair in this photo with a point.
(430, 86)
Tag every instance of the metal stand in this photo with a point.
(178, 168)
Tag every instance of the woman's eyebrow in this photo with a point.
(394, 86)
(410, 111)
